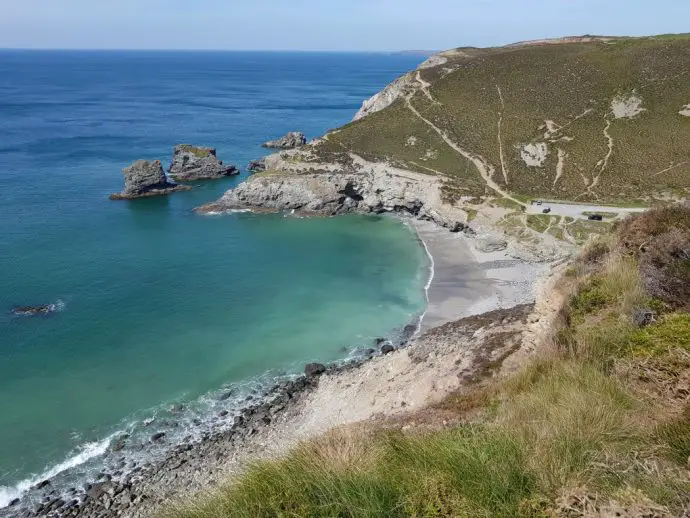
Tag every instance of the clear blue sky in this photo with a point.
(324, 24)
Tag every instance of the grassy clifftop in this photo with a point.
(594, 119)
(597, 424)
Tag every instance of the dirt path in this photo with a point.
(425, 88)
(504, 169)
(605, 160)
(485, 170)
(560, 166)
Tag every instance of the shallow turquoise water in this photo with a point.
(162, 305)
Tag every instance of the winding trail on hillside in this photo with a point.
(504, 169)
(425, 88)
(604, 162)
(485, 170)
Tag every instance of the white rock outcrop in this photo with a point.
(534, 154)
(627, 107)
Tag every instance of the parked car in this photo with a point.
(595, 217)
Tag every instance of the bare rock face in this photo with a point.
(290, 141)
(144, 179)
(257, 166)
(191, 163)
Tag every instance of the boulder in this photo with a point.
(157, 436)
(191, 163)
(257, 166)
(491, 243)
(144, 179)
(314, 370)
(387, 349)
(290, 141)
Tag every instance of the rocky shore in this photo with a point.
(399, 376)
(292, 140)
(144, 179)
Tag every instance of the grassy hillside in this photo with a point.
(597, 425)
(597, 120)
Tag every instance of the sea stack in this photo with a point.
(290, 141)
(191, 163)
(144, 179)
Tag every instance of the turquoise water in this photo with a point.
(159, 305)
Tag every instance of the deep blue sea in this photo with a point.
(157, 304)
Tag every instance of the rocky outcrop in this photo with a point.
(491, 243)
(191, 163)
(368, 189)
(257, 166)
(144, 179)
(386, 97)
(290, 141)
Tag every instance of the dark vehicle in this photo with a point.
(596, 217)
(546, 210)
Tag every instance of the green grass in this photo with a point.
(507, 204)
(196, 151)
(539, 222)
(467, 471)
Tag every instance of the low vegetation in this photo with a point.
(597, 424)
(601, 118)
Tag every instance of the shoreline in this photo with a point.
(298, 407)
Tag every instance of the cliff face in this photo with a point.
(385, 97)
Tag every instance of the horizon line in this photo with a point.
(113, 49)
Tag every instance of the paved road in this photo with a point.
(576, 211)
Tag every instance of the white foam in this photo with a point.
(86, 452)
(432, 273)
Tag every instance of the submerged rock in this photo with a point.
(191, 163)
(290, 141)
(30, 311)
(144, 179)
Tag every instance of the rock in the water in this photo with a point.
(191, 163)
(257, 166)
(290, 141)
(29, 311)
(42, 485)
(157, 436)
(143, 179)
(314, 370)
(491, 243)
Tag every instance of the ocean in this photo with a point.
(159, 306)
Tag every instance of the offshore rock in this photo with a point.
(290, 141)
(144, 179)
(191, 163)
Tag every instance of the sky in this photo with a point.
(356, 25)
